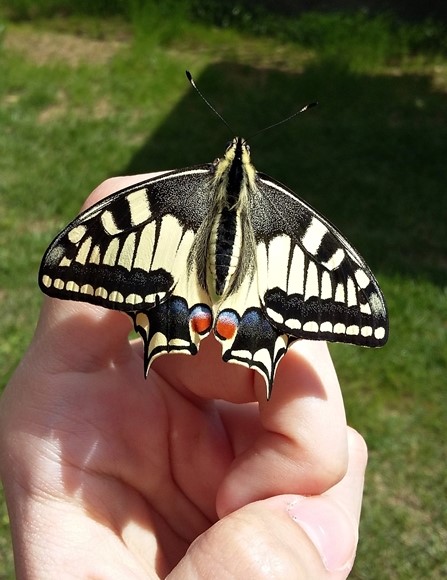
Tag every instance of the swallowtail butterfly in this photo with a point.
(218, 247)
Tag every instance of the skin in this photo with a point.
(188, 474)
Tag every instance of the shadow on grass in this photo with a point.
(371, 158)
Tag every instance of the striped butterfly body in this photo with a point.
(218, 247)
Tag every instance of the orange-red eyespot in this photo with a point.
(201, 319)
(226, 324)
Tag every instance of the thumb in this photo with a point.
(286, 536)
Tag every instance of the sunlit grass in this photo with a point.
(371, 158)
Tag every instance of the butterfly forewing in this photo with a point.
(318, 287)
(131, 249)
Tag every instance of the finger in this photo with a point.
(80, 337)
(207, 375)
(302, 447)
(257, 541)
(348, 493)
(262, 540)
(114, 184)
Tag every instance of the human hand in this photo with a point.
(108, 475)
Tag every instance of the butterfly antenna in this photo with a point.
(305, 108)
(193, 84)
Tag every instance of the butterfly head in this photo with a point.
(236, 165)
(239, 149)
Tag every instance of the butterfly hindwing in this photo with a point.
(252, 341)
(172, 327)
(247, 336)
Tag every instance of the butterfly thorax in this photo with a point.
(230, 251)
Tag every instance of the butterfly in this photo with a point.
(218, 247)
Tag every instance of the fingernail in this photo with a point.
(329, 529)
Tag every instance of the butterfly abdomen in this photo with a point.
(223, 251)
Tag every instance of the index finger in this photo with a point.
(296, 442)
(302, 444)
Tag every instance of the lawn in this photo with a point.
(83, 99)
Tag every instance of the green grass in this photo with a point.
(371, 158)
